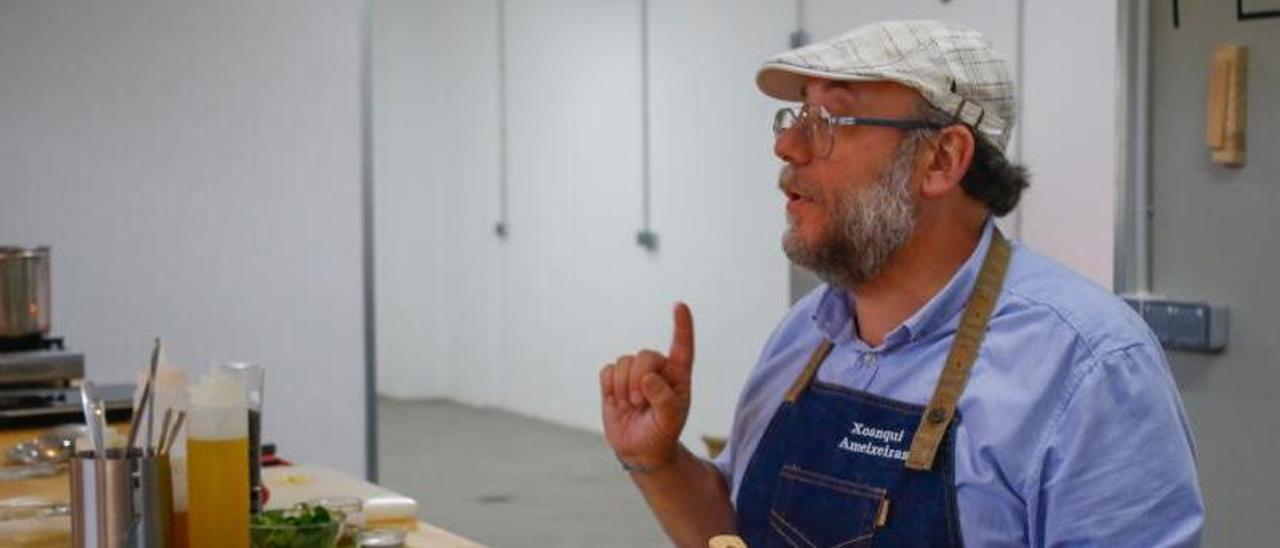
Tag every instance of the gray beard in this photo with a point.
(870, 227)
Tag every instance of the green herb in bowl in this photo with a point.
(303, 526)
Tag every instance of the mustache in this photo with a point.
(789, 183)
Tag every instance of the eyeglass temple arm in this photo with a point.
(885, 122)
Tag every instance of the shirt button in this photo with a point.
(868, 359)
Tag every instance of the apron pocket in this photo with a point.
(816, 510)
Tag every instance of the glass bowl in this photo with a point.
(263, 534)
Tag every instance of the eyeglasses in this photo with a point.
(819, 125)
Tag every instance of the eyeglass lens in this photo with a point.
(817, 131)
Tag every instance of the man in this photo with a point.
(945, 386)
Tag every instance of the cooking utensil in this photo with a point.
(173, 434)
(151, 379)
(164, 429)
(100, 413)
(24, 291)
(147, 400)
(89, 400)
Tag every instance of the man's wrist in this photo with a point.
(647, 468)
(636, 468)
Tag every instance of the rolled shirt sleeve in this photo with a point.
(1117, 465)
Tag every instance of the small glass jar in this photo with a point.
(380, 538)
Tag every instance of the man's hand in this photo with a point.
(645, 399)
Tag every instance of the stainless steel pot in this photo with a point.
(24, 291)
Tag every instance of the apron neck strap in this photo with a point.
(815, 360)
(964, 352)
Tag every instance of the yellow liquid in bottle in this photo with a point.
(218, 493)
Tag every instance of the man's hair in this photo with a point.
(991, 179)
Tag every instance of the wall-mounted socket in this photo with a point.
(1183, 325)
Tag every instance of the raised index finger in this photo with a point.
(681, 354)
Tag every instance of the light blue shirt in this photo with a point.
(1072, 432)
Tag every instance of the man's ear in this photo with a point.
(946, 162)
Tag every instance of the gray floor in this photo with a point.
(506, 480)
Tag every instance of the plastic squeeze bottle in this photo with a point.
(218, 464)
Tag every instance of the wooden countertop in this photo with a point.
(58, 489)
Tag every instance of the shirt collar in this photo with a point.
(834, 313)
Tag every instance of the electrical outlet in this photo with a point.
(1182, 325)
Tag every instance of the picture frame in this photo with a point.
(1257, 9)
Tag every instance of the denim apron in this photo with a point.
(841, 467)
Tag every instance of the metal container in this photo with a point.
(124, 500)
(101, 499)
(152, 502)
(24, 291)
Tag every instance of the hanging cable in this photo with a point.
(501, 228)
(799, 37)
(646, 237)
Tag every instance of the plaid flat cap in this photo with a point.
(953, 67)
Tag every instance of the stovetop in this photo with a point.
(36, 406)
(37, 341)
(37, 359)
(40, 366)
(38, 379)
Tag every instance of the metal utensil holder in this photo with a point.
(121, 500)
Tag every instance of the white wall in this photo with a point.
(1070, 133)
(196, 167)
(436, 165)
(526, 323)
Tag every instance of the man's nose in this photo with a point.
(792, 147)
